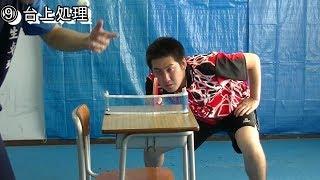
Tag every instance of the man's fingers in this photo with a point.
(99, 25)
(250, 110)
(100, 42)
(111, 34)
(238, 110)
(105, 34)
(97, 47)
(245, 107)
(99, 39)
(99, 31)
(243, 111)
(103, 37)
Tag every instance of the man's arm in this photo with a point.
(254, 73)
(69, 40)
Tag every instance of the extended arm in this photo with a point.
(69, 40)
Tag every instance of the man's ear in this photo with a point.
(184, 64)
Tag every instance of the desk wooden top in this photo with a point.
(149, 123)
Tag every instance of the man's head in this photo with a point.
(165, 58)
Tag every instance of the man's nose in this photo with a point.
(166, 77)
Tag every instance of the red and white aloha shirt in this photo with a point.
(216, 84)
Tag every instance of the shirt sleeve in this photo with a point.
(41, 28)
(231, 66)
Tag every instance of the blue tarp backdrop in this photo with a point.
(284, 33)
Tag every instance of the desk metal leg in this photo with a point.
(123, 157)
(185, 163)
(191, 157)
(81, 161)
(188, 154)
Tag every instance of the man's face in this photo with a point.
(27, 1)
(170, 73)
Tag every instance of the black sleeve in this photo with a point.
(231, 66)
(149, 86)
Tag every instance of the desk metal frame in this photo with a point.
(188, 152)
(163, 125)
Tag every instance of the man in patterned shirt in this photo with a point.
(223, 92)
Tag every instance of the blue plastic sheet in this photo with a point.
(285, 34)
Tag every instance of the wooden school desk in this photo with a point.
(153, 125)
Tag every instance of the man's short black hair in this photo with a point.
(164, 47)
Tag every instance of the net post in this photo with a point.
(185, 100)
(106, 94)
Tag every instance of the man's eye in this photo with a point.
(156, 73)
(170, 69)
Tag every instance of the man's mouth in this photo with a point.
(169, 85)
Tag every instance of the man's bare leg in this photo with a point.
(254, 158)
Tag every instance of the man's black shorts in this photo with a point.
(229, 124)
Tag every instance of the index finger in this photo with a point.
(111, 34)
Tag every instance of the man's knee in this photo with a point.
(248, 140)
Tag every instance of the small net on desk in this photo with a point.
(146, 104)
